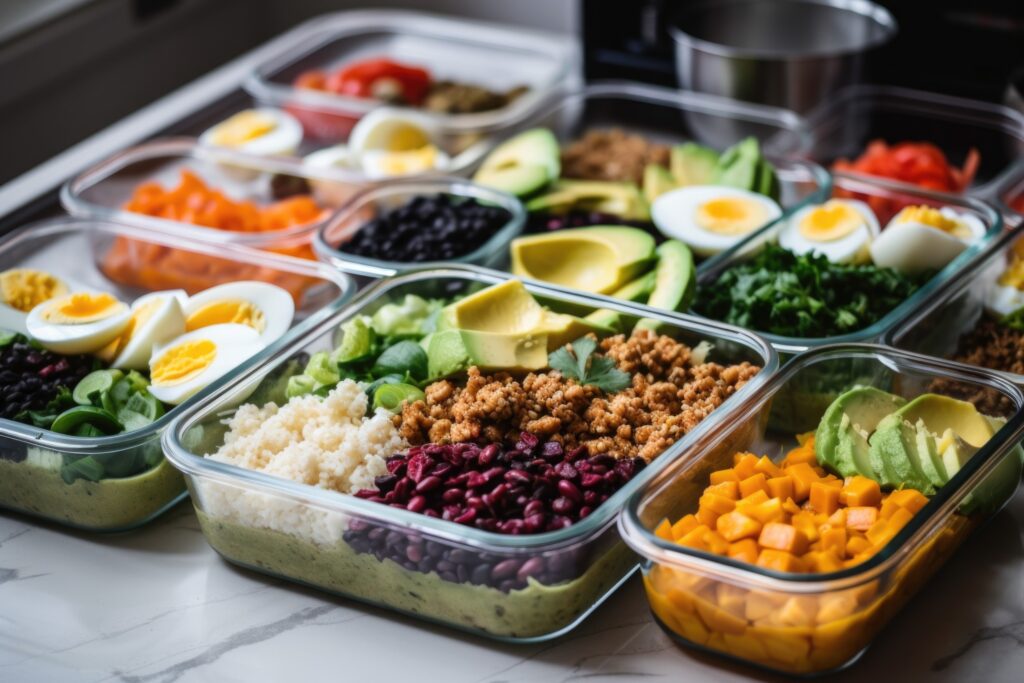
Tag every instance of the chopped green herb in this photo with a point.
(578, 362)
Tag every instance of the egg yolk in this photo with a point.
(25, 289)
(933, 218)
(731, 216)
(405, 163)
(140, 316)
(241, 128)
(830, 221)
(407, 138)
(81, 308)
(237, 311)
(183, 362)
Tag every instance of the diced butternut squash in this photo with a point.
(857, 545)
(860, 492)
(734, 526)
(695, 538)
(783, 537)
(766, 467)
(807, 524)
(798, 611)
(768, 511)
(684, 526)
(803, 476)
(900, 518)
(716, 543)
(889, 506)
(753, 484)
(824, 498)
(726, 489)
(779, 560)
(706, 517)
(780, 487)
(664, 530)
(745, 550)
(910, 499)
(719, 620)
(722, 476)
(744, 467)
(880, 533)
(861, 518)
(834, 539)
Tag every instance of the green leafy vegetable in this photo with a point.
(392, 396)
(357, 341)
(322, 369)
(580, 363)
(409, 318)
(403, 358)
(804, 295)
(1014, 320)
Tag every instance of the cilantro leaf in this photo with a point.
(581, 365)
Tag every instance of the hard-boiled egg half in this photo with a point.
(264, 132)
(156, 319)
(332, 192)
(188, 364)
(712, 218)
(21, 290)
(1007, 293)
(82, 322)
(264, 307)
(922, 238)
(839, 229)
(395, 142)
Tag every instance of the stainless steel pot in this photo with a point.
(787, 53)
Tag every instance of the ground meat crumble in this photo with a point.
(989, 345)
(669, 397)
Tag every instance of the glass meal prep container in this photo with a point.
(116, 258)
(872, 191)
(470, 52)
(939, 327)
(376, 201)
(843, 127)
(102, 191)
(332, 541)
(802, 624)
(1009, 195)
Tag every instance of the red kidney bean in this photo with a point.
(569, 490)
(417, 504)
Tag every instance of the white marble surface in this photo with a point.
(159, 606)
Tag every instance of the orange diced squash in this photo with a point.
(766, 467)
(766, 511)
(780, 487)
(860, 492)
(734, 526)
(911, 499)
(803, 476)
(789, 507)
(880, 533)
(755, 498)
(745, 550)
(726, 489)
(824, 498)
(783, 537)
(806, 523)
(889, 506)
(745, 466)
(716, 503)
(684, 526)
(664, 530)
(706, 516)
(695, 538)
(861, 517)
(716, 543)
(834, 539)
(721, 476)
(753, 484)
(857, 545)
(838, 519)
(823, 562)
(899, 519)
(779, 560)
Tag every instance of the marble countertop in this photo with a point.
(158, 605)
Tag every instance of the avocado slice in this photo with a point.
(509, 309)
(453, 351)
(639, 289)
(893, 451)
(676, 281)
(606, 319)
(522, 164)
(622, 199)
(598, 259)
(692, 164)
(928, 459)
(767, 180)
(841, 440)
(996, 488)
(657, 181)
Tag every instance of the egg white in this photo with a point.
(377, 163)
(277, 304)
(234, 344)
(1003, 299)
(674, 213)
(378, 129)
(165, 323)
(283, 140)
(70, 338)
(912, 247)
(842, 250)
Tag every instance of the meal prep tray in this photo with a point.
(479, 53)
(663, 115)
(937, 327)
(869, 189)
(335, 534)
(1010, 189)
(842, 128)
(119, 259)
(812, 623)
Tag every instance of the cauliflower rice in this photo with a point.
(326, 442)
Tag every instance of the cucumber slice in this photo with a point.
(93, 385)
